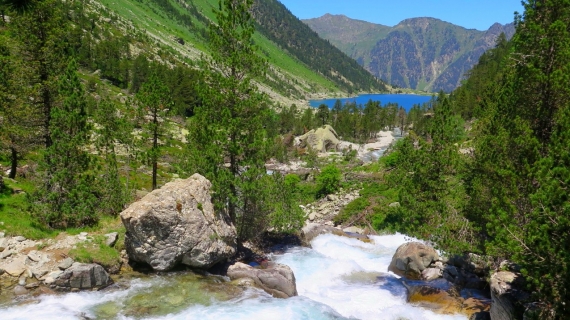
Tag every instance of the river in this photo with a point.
(338, 278)
(407, 101)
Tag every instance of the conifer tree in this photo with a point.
(227, 137)
(111, 129)
(154, 105)
(65, 198)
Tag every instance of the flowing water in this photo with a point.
(338, 278)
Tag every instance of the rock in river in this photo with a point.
(411, 259)
(177, 224)
(277, 279)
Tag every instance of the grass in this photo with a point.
(98, 252)
(15, 219)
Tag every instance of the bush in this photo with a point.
(355, 207)
(328, 181)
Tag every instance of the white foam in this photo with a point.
(325, 291)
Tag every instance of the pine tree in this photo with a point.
(65, 198)
(110, 130)
(154, 105)
(227, 137)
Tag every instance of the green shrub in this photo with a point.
(355, 207)
(328, 181)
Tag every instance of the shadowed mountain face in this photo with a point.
(419, 53)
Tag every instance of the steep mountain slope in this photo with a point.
(419, 53)
(180, 27)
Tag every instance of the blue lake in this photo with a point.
(405, 100)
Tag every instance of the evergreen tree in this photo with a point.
(154, 104)
(111, 129)
(40, 29)
(323, 114)
(65, 198)
(227, 137)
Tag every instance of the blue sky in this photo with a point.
(471, 14)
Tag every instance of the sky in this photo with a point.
(470, 14)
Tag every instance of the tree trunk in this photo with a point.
(14, 160)
(154, 151)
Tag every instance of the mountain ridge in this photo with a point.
(419, 53)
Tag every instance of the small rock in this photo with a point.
(32, 285)
(35, 256)
(20, 290)
(431, 274)
(52, 276)
(332, 197)
(312, 216)
(394, 205)
(19, 238)
(22, 280)
(16, 267)
(2, 234)
(111, 238)
(65, 263)
(3, 244)
(6, 254)
(1, 271)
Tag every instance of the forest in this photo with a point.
(482, 170)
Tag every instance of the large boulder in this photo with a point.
(276, 279)
(321, 140)
(507, 295)
(411, 259)
(82, 276)
(177, 224)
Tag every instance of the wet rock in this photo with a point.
(354, 229)
(277, 279)
(411, 259)
(177, 224)
(436, 299)
(312, 230)
(111, 238)
(65, 263)
(83, 276)
(32, 285)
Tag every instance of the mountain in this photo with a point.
(301, 64)
(419, 53)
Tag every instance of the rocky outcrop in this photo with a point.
(81, 276)
(507, 296)
(177, 224)
(276, 279)
(323, 139)
(411, 259)
(326, 208)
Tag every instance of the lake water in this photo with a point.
(338, 278)
(405, 100)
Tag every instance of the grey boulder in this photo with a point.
(82, 276)
(411, 259)
(177, 224)
(277, 279)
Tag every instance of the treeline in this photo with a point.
(498, 185)
(352, 122)
(292, 35)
